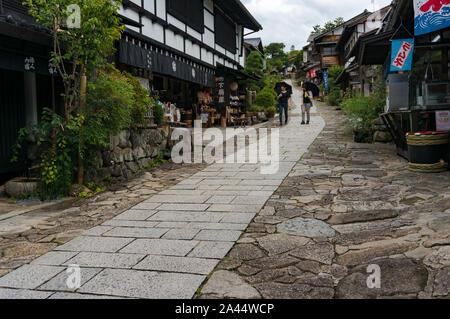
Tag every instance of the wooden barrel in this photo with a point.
(427, 151)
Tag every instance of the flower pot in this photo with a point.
(21, 187)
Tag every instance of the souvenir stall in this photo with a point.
(416, 71)
(175, 79)
(207, 112)
(231, 97)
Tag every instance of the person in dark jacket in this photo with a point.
(307, 104)
(283, 100)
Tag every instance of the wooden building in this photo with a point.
(177, 47)
(180, 48)
(356, 77)
(415, 97)
(28, 82)
(323, 50)
(251, 45)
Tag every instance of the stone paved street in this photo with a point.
(228, 231)
(165, 246)
(26, 237)
(343, 207)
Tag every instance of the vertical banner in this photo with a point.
(431, 15)
(222, 94)
(325, 80)
(402, 54)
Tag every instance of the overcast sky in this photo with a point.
(291, 21)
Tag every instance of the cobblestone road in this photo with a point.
(343, 207)
(167, 245)
(311, 231)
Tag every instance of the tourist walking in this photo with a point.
(283, 104)
(306, 105)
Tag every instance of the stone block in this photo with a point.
(144, 284)
(178, 264)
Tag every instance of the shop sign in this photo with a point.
(325, 80)
(52, 68)
(402, 54)
(443, 120)
(30, 64)
(221, 90)
(137, 56)
(431, 15)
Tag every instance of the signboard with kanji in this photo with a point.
(402, 54)
(443, 120)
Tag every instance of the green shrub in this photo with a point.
(109, 104)
(158, 113)
(255, 109)
(141, 102)
(270, 111)
(334, 97)
(335, 71)
(362, 112)
(266, 98)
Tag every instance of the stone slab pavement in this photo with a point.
(166, 246)
(346, 215)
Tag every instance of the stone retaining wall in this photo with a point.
(130, 151)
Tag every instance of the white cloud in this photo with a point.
(291, 21)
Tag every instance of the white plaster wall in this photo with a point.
(152, 30)
(174, 41)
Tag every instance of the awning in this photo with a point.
(223, 70)
(310, 66)
(374, 49)
(134, 55)
(25, 63)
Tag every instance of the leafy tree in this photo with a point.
(83, 34)
(298, 61)
(85, 47)
(255, 66)
(317, 29)
(275, 50)
(330, 25)
(294, 53)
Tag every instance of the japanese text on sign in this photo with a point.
(402, 55)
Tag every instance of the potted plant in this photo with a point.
(254, 109)
(22, 187)
(270, 112)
